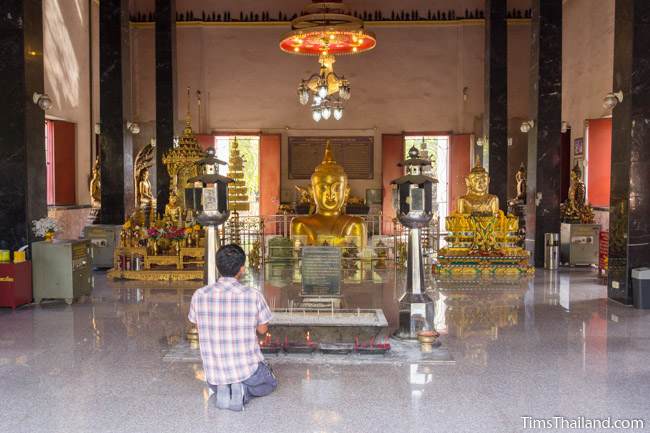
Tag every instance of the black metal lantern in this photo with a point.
(413, 192)
(413, 203)
(212, 207)
(209, 197)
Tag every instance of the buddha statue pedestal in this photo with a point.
(482, 240)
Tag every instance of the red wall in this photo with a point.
(599, 162)
(459, 167)
(206, 141)
(270, 150)
(392, 152)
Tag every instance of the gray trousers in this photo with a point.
(263, 382)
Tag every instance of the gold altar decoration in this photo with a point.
(96, 186)
(181, 160)
(329, 223)
(482, 239)
(576, 210)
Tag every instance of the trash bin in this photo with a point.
(551, 250)
(641, 288)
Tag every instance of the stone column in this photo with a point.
(496, 98)
(116, 144)
(165, 92)
(544, 143)
(22, 135)
(629, 214)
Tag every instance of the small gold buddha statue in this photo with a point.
(173, 211)
(329, 223)
(576, 210)
(477, 200)
(520, 178)
(95, 186)
(144, 198)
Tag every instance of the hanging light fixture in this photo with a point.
(326, 29)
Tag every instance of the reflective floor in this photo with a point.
(553, 346)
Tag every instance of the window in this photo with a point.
(249, 149)
(436, 148)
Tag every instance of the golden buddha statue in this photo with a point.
(144, 196)
(575, 210)
(477, 199)
(95, 186)
(520, 178)
(329, 223)
(480, 229)
(173, 211)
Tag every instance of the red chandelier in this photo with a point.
(327, 28)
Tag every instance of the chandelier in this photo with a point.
(326, 90)
(326, 29)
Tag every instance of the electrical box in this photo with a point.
(579, 244)
(61, 269)
(103, 240)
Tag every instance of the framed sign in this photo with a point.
(354, 153)
(579, 147)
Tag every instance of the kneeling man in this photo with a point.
(227, 315)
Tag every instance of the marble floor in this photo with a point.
(553, 346)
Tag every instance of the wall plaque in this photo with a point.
(355, 154)
(321, 271)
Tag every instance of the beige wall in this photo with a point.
(588, 61)
(412, 81)
(67, 63)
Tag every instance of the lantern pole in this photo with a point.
(413, 204)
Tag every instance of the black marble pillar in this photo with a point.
(496, 97)
(116, 144)
(165, 92)
(629, 215)
(544, 141)
(22, 131)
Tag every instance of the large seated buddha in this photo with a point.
(329, 224)
(480, 229)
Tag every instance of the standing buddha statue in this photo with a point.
(95, 186)
(329, 223)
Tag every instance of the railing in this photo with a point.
(253, 233)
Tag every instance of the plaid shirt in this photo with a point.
(226, 315)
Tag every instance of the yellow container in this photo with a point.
(19, 256)
(4, 256)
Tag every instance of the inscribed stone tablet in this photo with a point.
(321, 271)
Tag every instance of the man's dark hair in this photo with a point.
(230, 259)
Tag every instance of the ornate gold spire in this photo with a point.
(188, 140)
(478, 168)
(329, 164)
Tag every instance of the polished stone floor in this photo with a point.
(554, 346)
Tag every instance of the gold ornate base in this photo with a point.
(484, 265)
(156, 275)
